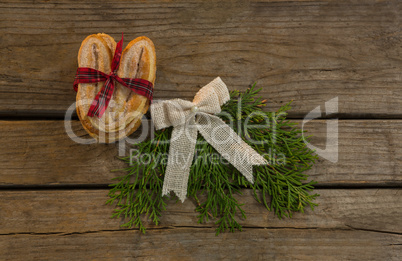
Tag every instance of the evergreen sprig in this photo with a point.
(280, 186)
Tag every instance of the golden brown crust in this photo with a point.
(110, 42)
(140, 55)
(87, 92)
(137, 61)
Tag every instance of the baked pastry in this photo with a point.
(126, 108)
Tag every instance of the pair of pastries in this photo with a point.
(126, 108)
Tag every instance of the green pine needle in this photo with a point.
(280, 186)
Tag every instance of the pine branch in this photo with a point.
(139, 191)
(280, 186)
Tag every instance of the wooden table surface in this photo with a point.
(52, 190)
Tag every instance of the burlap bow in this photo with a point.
(187, 118)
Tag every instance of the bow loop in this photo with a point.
(211, 97)
(117, 56)
(170, 113)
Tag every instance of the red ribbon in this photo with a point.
(101, 101)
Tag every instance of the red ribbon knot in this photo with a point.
(102, 99)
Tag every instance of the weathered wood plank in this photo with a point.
(202, 244)
(80, 211)
(306, 51)
(348, 224)
(41, 153)
(369, 152)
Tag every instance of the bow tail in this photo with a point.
(101, 101)
(226, 141)
(181, 154)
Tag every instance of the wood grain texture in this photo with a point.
(306, 51)
(348, 224)
(41, 153)
(369, 152)
(202, 244)
(84, 211)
